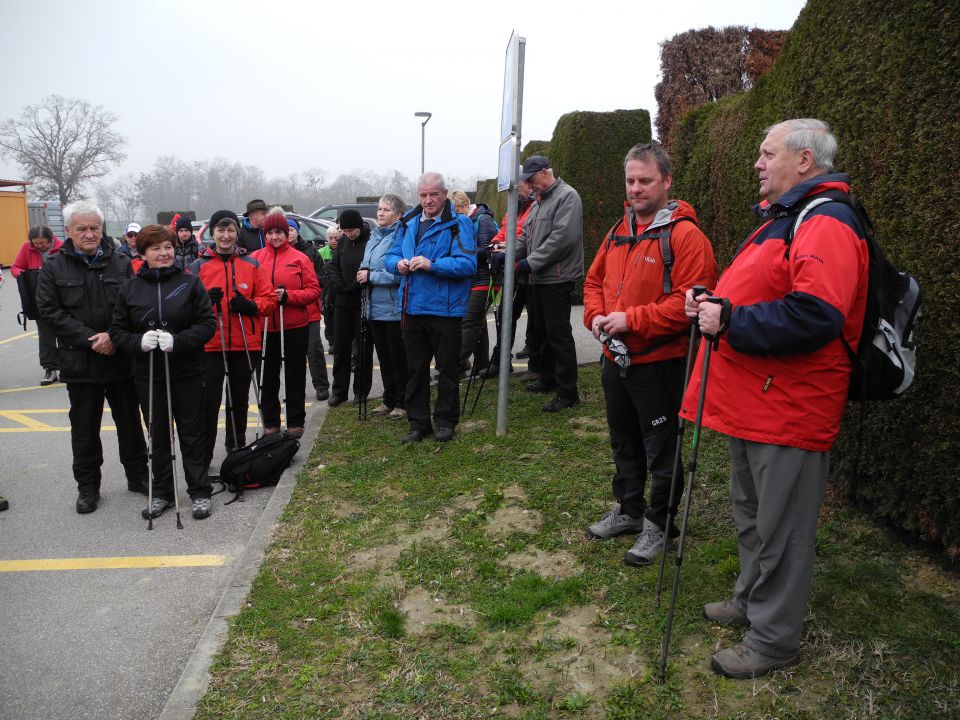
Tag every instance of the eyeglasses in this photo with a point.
(132, 234)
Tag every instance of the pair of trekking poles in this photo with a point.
(476, 370)
(150, 433)
(691, 474)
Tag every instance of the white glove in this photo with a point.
(149, 340)
(165, 341)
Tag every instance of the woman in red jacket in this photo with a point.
(296, 288)
(40, 243)
(241, 294)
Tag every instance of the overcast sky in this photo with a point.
(290, 85)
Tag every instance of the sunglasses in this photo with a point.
(132, 234)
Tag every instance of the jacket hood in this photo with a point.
(674, 210)
(818, 184)
(484, 209)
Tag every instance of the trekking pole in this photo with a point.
(283, 361)
(173, 436)
(692, 471)
(678, 456)
(362, 352)
(498, 321)
(228, 418)
(263, 351)
(150, 440)
(256, 387)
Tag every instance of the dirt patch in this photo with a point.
(554, 566)
(472, 426)
(466, 502)
(585, 661)
(589, 423)
(343, 508)
(385, 556)
(512, 519)
(422, 609)
(919, 575)
(514, 494)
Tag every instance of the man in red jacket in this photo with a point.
(634, 296)
(777, 385)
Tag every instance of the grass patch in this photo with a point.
(415, 581)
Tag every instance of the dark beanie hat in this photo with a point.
(222, 215)
(350, 220)
(184, 222)
(276, 221)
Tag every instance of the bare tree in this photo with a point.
(62, 144)
(120, 200)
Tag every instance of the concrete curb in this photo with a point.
(195, 678)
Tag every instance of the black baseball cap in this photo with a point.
(532, 165)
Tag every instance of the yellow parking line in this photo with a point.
(32, 333)
(32, 387)
(113, 563)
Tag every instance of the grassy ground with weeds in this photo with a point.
(454, 581)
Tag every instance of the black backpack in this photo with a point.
(259, 464)
(884, 363)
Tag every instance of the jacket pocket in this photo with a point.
(71, 293)
(111, 285)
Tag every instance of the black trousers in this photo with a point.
(553, 353)
(642, 406)
(474, 338)
(294, 376)
(346, 328)
(316, 360)
(328, 305)
(86, 414)
(392, 355)
(520, 299)
(49, 354)
(239, 392)
(427, 337)
(187, 399)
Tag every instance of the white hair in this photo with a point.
(432, 178)
(810, 134)
(80, 207)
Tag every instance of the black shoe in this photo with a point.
(137, 487)
(322, 393)
(336, 400)
(492, 371)
(443, 434)
(87, 502)
(539, 386)
(4, 503)
(561, 403)
(524, 353)
(413, 436)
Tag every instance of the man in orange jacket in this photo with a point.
(634, 304)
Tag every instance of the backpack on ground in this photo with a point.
(884, 363)
(259, 464)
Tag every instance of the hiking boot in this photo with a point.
(524, 353)
(295, 432)
(614, 523)
(540, 386)
(323, 393)
(156, 508)
(443, 434)
(202, 507)
(335, 400)
(725, 613)
(561, 403)
(382, 409)
(87, 502)
(49, 378)
(4, 503)
(397, 414)
(742, 662)
(647, 546)
(412, 437)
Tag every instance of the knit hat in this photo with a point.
(350, 220)
(275, 221)
(184, 222)
(222, 215)
(294, 224)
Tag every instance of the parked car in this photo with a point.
(332, 212)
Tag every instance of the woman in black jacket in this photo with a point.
(165, 310)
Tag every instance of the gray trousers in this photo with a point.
(776, 492)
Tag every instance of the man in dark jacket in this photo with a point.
(346, 325)
(76, 292)
(187, 249)
(251, 235)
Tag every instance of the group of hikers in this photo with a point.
(419, 283)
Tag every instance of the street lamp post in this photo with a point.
(423, 136)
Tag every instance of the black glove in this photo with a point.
(522, 267)
(241, 305)
(216, 295)
(283, 297)
(497, 260)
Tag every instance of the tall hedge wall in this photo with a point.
(885, 76)
(587, 151)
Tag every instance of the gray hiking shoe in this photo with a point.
(614, 523)
(202, 507)
(742, 662)
(725, 613)
(157, 506)
(647, 546)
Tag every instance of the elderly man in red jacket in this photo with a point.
(778, 382)
(634, 295)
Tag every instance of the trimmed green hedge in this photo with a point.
(885, 76)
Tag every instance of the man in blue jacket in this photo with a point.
(435, 254)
